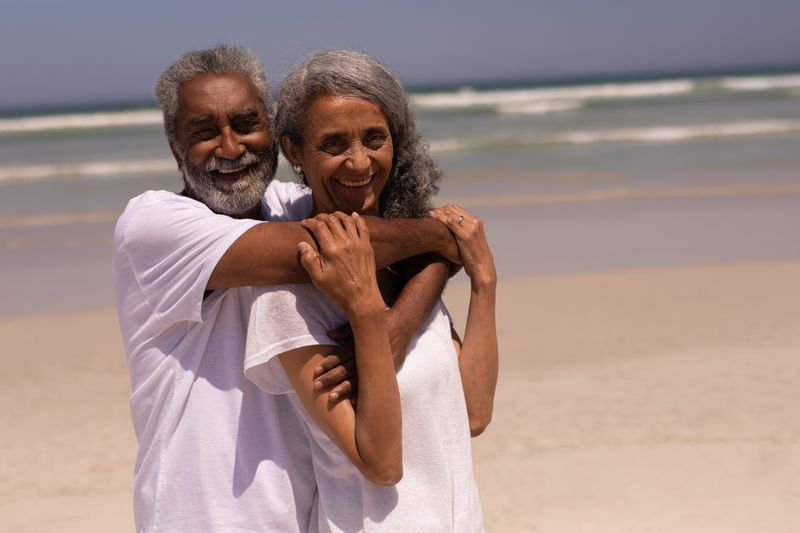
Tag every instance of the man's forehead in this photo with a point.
(218, 93)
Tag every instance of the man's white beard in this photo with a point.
(230, 198)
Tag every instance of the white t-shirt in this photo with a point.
(215, 453)
(438, 491)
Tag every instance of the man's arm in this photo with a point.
(266, 254)
(424, 278)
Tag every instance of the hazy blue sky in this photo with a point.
(62, 51)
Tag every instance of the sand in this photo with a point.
(655, 400)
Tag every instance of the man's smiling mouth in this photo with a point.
(231, 170)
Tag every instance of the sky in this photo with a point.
(55, 52)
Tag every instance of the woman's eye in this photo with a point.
(375, 140)
(333, 146)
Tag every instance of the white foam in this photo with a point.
(761, 83)
(468, 97)
(681, 133)
(92, 169)
(655, 134)
(453, 145)
(80, 121)
(539, 108)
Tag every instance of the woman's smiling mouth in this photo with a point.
(353, 184)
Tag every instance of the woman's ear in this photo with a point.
(293, 152)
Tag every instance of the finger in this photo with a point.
(310, 259)
(361, 226)
(340, 392)
(320, 231)
(335, 226)
(328, 363)
(347, 222)
(439, 214)
(345, 389)
(332, 376)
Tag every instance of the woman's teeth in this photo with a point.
(354, 183)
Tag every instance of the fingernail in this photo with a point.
(334, 396)
(317, 385)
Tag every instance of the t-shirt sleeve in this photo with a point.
(284, 318)
(287, 201)
(173, 244)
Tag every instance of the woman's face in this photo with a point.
(346, 154)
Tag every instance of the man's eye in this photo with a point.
(207, 133)
(247, 125)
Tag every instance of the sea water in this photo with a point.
(66, 174)
(584, 135)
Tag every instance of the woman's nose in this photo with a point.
(359, 158)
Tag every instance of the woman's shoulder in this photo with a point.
(287, 201)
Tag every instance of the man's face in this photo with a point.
(223, 147)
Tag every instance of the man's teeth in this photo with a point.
(230, 170)
(354, 183)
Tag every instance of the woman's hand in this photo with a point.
(478, 355)
(344, 267)
(471, 239)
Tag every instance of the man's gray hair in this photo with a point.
(415, 177)
(221, 59)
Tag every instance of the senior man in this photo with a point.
(215, 453)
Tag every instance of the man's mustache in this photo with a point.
(246, 159)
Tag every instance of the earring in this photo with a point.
(297, 169)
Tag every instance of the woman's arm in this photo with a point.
(344, 271)
(478, 355)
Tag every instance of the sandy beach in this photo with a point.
(654, 400)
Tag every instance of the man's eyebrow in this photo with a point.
(199, 120)
(248, 114)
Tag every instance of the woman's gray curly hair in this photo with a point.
(415, 177)
(221, 59)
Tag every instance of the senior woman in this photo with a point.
(345, 124)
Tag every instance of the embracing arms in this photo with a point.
(371, 436)
(266, 254)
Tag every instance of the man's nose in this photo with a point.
(230, 145)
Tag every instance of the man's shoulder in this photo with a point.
(156, 205)
(157, 198)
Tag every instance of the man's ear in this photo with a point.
(174, 151)
(292, 151)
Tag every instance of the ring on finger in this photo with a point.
(460, 220)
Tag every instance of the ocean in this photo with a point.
(66, 174)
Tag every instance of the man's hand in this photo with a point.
(338, 371)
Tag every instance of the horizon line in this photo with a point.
(422, 86)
